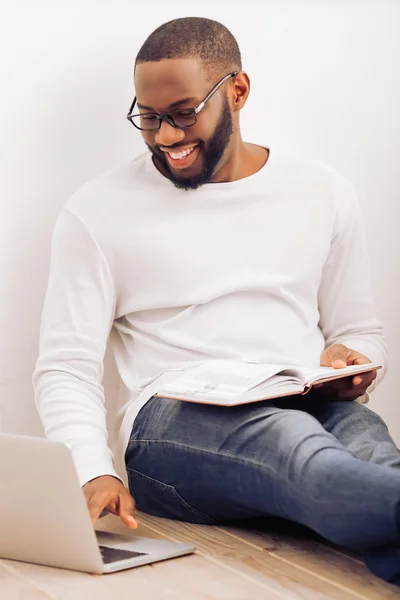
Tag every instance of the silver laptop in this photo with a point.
(44, 518)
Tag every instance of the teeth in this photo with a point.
(180, 155)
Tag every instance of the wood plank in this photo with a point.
(195, 577)
(63, 584)
(191, 576)
(13, 587)
(322, 560)
(125, 585)
(249, 561)
(281, 529)
(209, 580)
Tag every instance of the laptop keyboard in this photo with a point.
(110, 555)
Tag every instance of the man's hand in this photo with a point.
(349, 388)
(108, 492)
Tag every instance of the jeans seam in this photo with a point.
(219, 454)
(157, 481)
(167, 486)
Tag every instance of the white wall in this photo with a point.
(325, 81)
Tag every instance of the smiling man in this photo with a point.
(187, 163)
(197, 141)
(207, 247)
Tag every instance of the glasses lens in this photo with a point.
(146, 121)
(183, 118)
(151, 121)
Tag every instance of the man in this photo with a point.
(211, 247)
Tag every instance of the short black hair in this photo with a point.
(194, 37)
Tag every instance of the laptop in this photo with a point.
(44, 518)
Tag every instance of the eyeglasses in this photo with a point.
(179, 117)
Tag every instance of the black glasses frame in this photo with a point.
(167, 116)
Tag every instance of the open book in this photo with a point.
(228, 383)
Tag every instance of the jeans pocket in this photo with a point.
(162, 500)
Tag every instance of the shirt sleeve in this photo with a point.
(346, 306)
(76, 320)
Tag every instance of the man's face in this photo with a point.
(160, 86)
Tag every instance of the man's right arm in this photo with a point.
(77, 317)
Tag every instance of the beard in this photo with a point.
(212, 154)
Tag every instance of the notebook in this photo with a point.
(229, 383)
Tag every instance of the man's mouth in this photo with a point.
(183, 158)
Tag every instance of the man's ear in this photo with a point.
(240, 91)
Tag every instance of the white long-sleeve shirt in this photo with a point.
(271, 268)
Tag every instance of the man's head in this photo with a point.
(176, 68)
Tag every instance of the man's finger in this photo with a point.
(95, 506)
(127, 510)
(359, 359)
(112, 507)
(365, 378)
(338, 354)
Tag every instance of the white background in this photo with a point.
(325, 82)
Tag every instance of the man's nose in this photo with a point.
(168, 135)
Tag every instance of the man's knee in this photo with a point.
(298, 437)
(362, 413)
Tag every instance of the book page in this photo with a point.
(221, 378)
(321, 373)
(276, 386)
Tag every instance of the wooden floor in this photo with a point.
(263, 562)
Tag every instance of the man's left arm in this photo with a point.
(353, 333)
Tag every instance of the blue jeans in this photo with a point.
(331, 466)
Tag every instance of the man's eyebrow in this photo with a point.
(173, 105)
